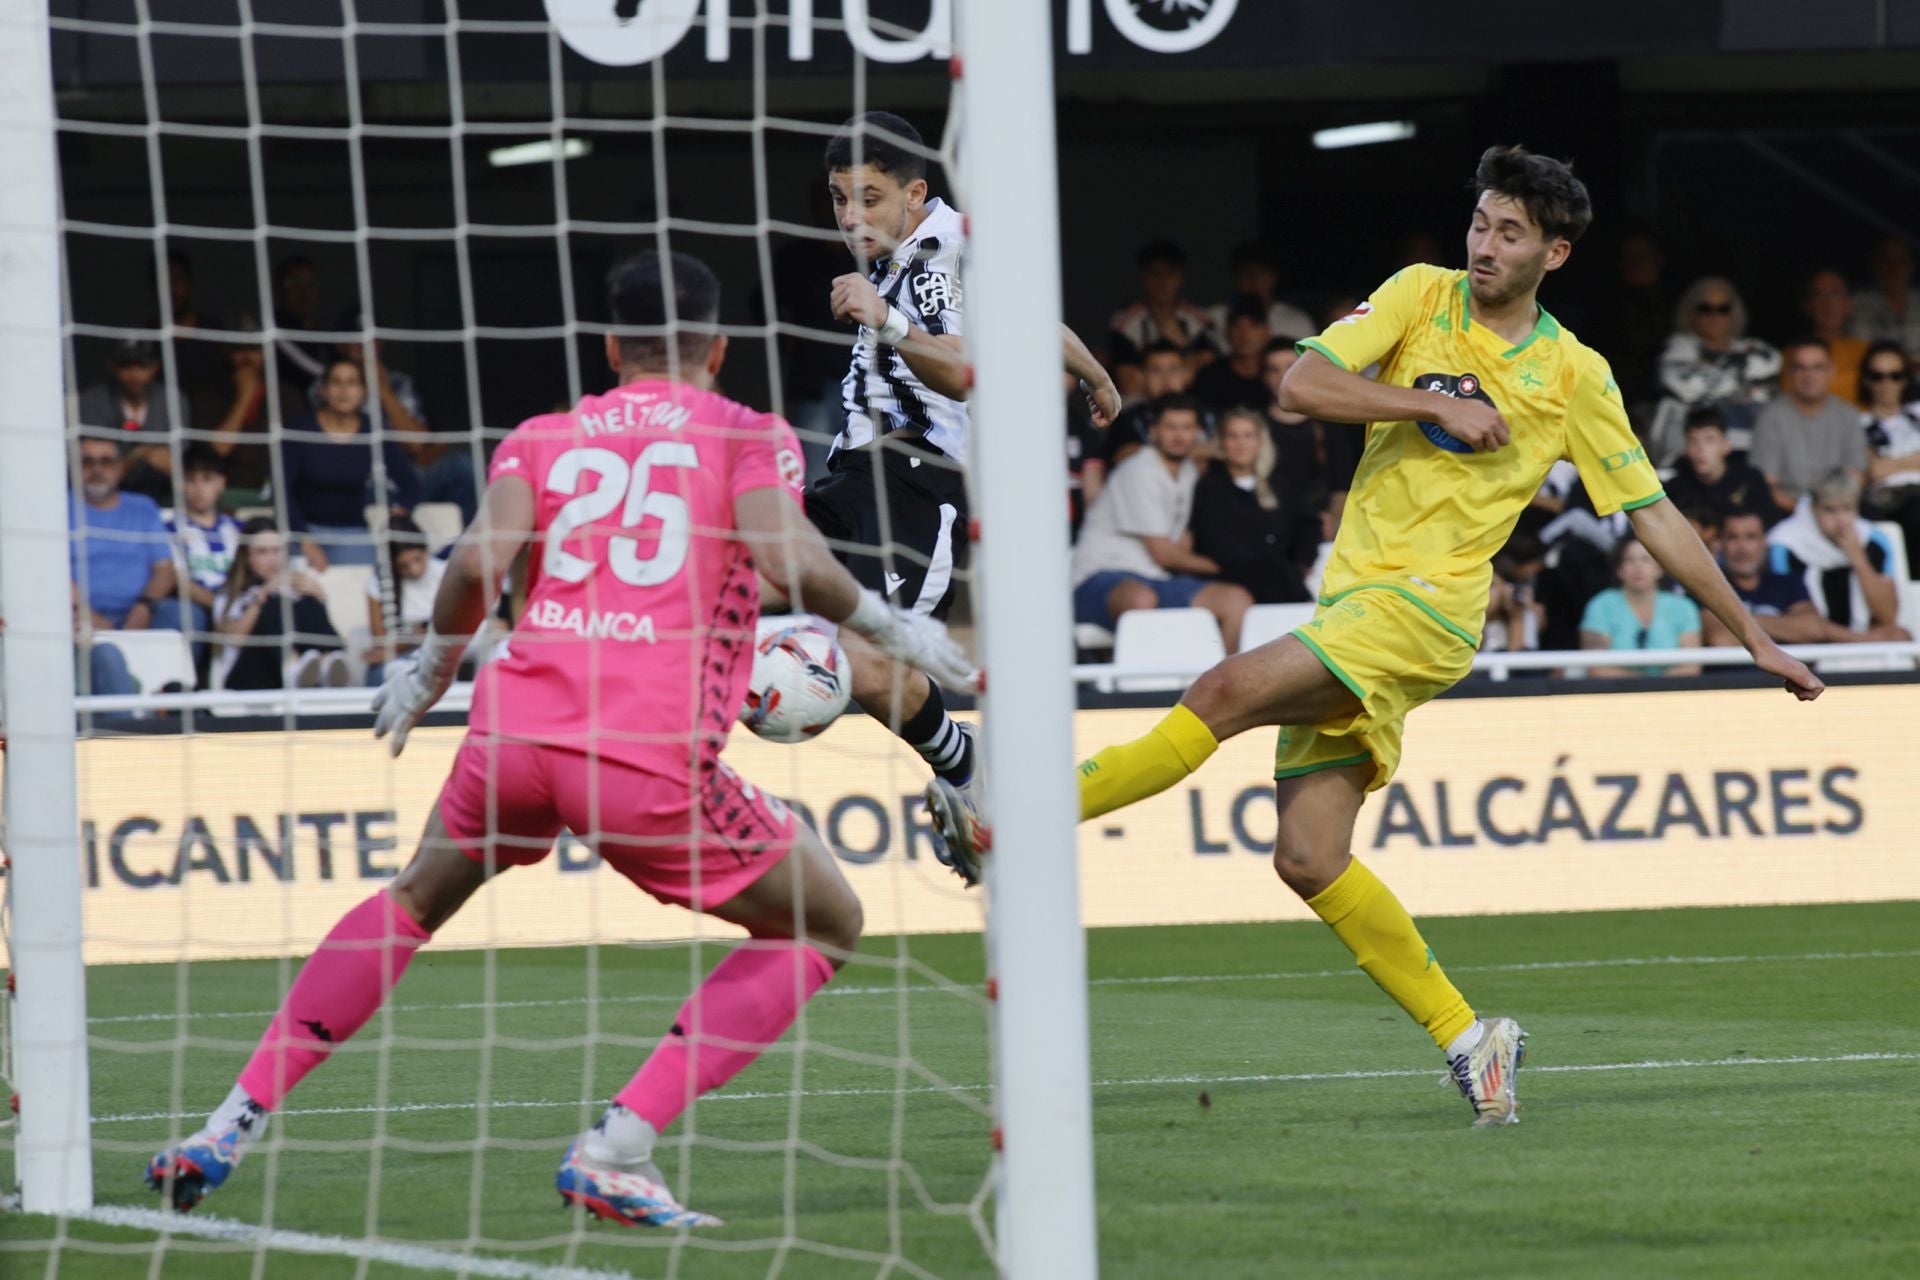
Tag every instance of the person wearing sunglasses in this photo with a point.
(1637, 614)
(1710, 360)
(1892, 426)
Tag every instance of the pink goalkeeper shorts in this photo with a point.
(690, 843)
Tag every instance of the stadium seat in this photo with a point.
(440, 521)
(1087, 635)
(346, 586)
(1186, 640)
(1266, 623)
(155, 658)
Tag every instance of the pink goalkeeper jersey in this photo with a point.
(637, 638)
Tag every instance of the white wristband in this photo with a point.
(895, 330)
(870, 615)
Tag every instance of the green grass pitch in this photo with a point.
(1260, 1109)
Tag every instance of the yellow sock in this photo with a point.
(1365, 915)
(1118, 776)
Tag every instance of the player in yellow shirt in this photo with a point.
(1479, 392)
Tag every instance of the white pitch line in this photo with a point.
(1134, 1082)
(1150, 980)
(413, 1257)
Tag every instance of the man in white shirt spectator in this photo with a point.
(1161, 314)
(1135, 551)
(1842, 559)
(1256, 271)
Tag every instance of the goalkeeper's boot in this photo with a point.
(1486, 1073)
(188, 1170)
(961, 834)
(634, 1196)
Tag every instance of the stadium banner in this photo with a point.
(251, 844)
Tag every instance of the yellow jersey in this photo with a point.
(1426, 514)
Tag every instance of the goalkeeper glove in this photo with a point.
(412, 685)
(914, 639)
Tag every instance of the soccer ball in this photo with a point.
(800, 682)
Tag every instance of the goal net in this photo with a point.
(245, 193)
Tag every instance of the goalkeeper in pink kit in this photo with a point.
(651, 510)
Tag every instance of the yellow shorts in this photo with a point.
(1394, 655)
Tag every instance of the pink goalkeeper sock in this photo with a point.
(338, 989)
(746, 1003)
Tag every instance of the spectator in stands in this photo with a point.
(1888, 312)
(328, 463)
(1515, 618)
(133, 399)
(1892, 423)
(1256, 271)
(301, 362)
(1637, 614)
(1708, 474)
(1315, 460)
(446, 469)
(272, 620)
(1236, 380)
(1808, 432)
(205, 539)
(123, 561)
(1710, 360)
(1706, 521)
(1262, 539)
(1827, 304)
(1843, 561)
(1135, 550)
(1163, 373)
(239, 432)
(413, 576)
(199, 364)
(1778, 601)
(1636, 323)
(104, 667)
(1161, 315)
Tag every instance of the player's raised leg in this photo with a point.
(803, 921)
(339, 988)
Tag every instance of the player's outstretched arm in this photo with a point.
(1316, 386)
(475, 571)
(792, 554)
(1671, 540)
(1103, 398)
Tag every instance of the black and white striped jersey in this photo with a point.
(880, 393)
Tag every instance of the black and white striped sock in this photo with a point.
(939, 740)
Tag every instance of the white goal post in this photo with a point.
(1045, 1223)
(42, 824)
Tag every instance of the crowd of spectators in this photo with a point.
(161, 474)
(1789, 458)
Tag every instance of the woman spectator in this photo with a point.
(415, 576)
(1892, 424)
(327, 462)
(251, 615)
(1259, 540)
(1709, 360)
(1637, 614)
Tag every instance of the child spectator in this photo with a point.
(1710, 476)
(1637, 614)
(415, 578)
(205, 538)
(261, 597)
